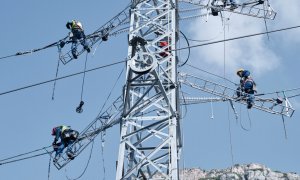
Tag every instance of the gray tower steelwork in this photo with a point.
(150, 139)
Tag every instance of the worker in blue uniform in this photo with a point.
(247, 86)
(67, 137)
(77, 34)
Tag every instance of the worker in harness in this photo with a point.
(67, 137)
(77, 34)
(233, 4)
(247, 87)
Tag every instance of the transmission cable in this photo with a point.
(63, 77)
(209, 74)
(235, 38)
(110, 92)
(4, 161)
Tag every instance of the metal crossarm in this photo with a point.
(100, 34)
(198, 100)
(253, 9)
(105, 120)
(280, 106)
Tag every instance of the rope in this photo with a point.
(249, 118)
(63, 77)
(79, 108)
(56, 74)
(83, 78)
(49, 167)
(250, 122)
(189, 53)
(88, 162)
(284, 128)
(230, 137)
(103, 133)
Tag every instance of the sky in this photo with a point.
(28, 116)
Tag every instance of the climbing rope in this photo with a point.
(87, 164)
(56, 74)
(103, 133)
(49, 167)
(79, 108)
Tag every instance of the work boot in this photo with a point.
(233, 7)
(74, 55)
(70, 155)
(249, 105)
(55, 159)
(87, 49)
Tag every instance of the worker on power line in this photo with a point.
(247, 85)
(77, 34)
(67, 137)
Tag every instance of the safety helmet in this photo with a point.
(239, 71)
(53, 131)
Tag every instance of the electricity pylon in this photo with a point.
(149, 113)
(150, 138)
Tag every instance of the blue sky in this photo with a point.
(28, 116)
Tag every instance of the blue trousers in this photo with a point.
(250, 99)
(62, 146)
(78, 36)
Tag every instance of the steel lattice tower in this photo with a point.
(150, 139)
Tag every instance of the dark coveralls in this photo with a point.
(247, 85)
(78, 35)
(67, 137)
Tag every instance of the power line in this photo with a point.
(63, 77)
(211, 74)
(235, 38)
(21, 156)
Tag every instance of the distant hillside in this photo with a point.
(238, 172)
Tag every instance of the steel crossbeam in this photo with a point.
(280, 106)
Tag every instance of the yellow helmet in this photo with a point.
(238, 71)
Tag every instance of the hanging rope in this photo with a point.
(49, 166)
(87, 164)
(250, 123)
(189, 50)
(103, 133)
(284, 128)
(56, 74)
(79, 108)
(230, 137)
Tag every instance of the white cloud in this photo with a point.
(254, 53)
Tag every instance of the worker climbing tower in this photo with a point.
(150, 138)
